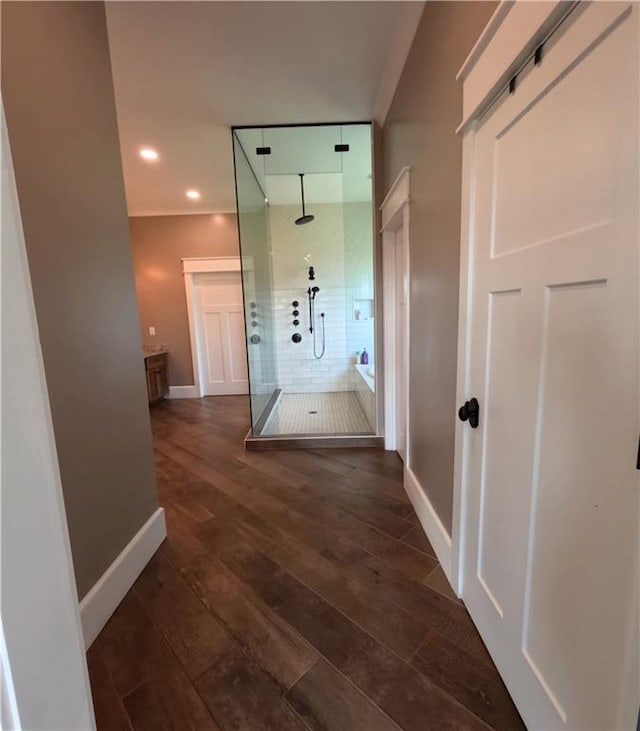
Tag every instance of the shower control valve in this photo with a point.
(296, 313)
(296, 337)
(296, 322)
(295, 303)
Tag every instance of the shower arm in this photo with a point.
(304, 213)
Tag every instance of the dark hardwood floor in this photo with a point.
(295, 591)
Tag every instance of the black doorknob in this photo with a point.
(470, 412)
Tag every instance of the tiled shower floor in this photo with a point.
(335, 412)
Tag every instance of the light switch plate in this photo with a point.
(152, 330)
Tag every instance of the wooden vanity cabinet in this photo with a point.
(156, 367)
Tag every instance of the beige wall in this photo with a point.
(60, 109)
(420, 132)
(159, 243)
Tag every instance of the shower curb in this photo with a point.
(338, 441)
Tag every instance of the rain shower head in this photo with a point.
(305, 217)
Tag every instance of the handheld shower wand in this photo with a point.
(311, 293)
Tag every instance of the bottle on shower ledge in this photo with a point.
(364, 358)
(357, 357)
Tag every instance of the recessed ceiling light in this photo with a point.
(193, 195)
(148, 153)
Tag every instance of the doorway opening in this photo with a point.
(216, 325)
(395, 263)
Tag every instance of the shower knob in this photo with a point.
(296, 322)
(296, 313)
(254, 323)
(296, 337)
(253, 305)
(295, 303)
(254, 339)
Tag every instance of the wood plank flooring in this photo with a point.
(295, 591)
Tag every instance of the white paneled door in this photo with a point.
(550, 564)
(221, 334)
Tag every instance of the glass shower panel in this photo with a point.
(358, 222)
(311, 277)
(255, 251)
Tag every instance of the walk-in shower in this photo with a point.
(305, 213)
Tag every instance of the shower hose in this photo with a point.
(312, 307)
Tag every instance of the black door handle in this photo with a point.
(470, 412)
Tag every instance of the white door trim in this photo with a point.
(458, 521)
(191, 267)
(395, 213)
(202, 264)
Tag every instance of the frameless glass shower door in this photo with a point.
(253, 225)
(307, 242)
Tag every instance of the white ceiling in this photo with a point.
(185, 72)
(330, 177)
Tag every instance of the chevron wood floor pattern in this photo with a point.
(295, 591)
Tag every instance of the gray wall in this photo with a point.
(60, 109)
(159, 244)
(420, 132)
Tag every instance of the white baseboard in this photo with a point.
(184, 392)
(103, 598)
(431, 523)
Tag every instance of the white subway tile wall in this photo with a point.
(359, 277)
(339, 245)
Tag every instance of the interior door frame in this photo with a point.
(191, 267)
(395, 214)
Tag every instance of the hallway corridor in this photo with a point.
(295, 590)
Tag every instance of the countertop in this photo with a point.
(149, 350)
